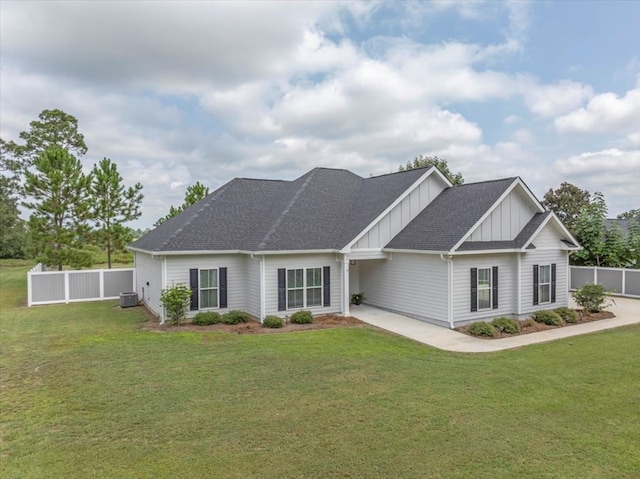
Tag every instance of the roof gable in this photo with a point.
(451, 216)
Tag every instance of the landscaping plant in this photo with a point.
(547, 317)
(482, 328)
(272, 322)
(206, 318)
(302, 317)
(176, 301)
(235, 317)
(568, 315)
(592, 298)
(506, 325)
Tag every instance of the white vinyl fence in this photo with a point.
(624, 282)
(49, 287)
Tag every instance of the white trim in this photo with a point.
(217, 288)
(519, 284)
(416, 251)
(305, 288)
(263, 296)
(231, 251)
(540, 283)
(490, 288)
(396, 202)
(346, 300)
(376, 253)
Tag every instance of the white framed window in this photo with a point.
(544, 284)
(484, 288)
(304, 288)
(208, 288)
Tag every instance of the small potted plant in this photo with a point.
(357, 298)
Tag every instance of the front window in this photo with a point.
(484, 288)
(208, 288)
(304, 288)
(544, 284)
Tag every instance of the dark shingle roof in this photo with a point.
(323, 209)
(450, 216)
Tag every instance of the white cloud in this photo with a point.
(553, 100)
(604, 113)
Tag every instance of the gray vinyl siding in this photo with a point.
(149, 270)
(401, 215)
(177, 271)
(252, 286)
(548, 238)
(507, 293)
(544, 257)
(412, 284)
(295, 261)
(506, 220)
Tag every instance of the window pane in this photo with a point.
(294, 298)
(484, 299)
(484, 277)
(295, 278)
(544, 293)
(545, 274)
(208, 298)
(314, 277)
(314, 297)
(208, 278)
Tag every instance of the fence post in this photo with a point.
(101, 284)
(595, 275)
(29, 290)
(624, 277)
(66, 287)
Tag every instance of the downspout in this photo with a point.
(449, 260)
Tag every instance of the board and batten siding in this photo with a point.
(177, 271)
(507, 274)
(149, 270)
(544, 257)
(506, 220)
(412, 284)
(304, 261)
(401, 215)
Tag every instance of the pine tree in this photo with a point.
(112, 205)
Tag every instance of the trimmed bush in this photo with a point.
(592, 298)
(481, 328)
(302, 317)
(506, 325)
(206, 318)
(272, 322)
(547, 317)
(568, 315)
(527, 323)
(235, 317)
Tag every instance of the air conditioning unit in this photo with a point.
(128, 300)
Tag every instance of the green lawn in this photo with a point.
(86, 393)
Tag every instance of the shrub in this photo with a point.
(481, 328)
(527, 323)
(302, 317)
(235, 317)
(568, 315)
(176, 301)
(547, 317)
(592, 298)
(205, 318)
(272, 322)
(506, 325)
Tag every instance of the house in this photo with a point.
(411, 241)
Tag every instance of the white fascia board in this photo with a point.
(515, 183)
(236, 251)
(487, 251)
(398, 200)
(415, 251)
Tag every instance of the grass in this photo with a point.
(87, 393)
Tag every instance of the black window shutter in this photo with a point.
(535, 284)
(474, 289)
(494, 287)
(282, 289)
(193, 284)
(222, 285)
(326, 286)
(553, 283)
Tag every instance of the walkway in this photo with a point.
(627, 311)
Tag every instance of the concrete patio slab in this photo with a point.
(627, 311)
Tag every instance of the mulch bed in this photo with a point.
(254, 327)
(533, 327)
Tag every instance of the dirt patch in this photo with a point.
(530, 326)
(254, 327)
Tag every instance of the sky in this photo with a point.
(179, 92)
